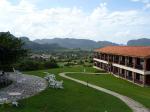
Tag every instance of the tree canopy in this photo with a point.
(11, 50)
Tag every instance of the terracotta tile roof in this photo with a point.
(133, 51)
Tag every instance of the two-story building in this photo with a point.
(130, 63)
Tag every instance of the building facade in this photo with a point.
(130, 63)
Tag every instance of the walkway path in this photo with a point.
(23, 86)
(134, 105)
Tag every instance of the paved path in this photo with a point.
(134, 105)
(23, 86)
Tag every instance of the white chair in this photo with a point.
(52, 84)
(15, 103)
(52, 81)
(49, 76)
(59, 84)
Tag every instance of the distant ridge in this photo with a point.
(35, 47)
(76, 43)
(139, 42)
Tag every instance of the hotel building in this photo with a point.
(130, 63)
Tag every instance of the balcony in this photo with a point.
(105, 59)
(95, 56)
(122, 62)
(138, 81)
(140, 67)
(130, 64)
(102, 58)
(95, 64)
(98, 57)
(129, 78)
(110, 60)
(116, 61)
(122, 75)
(116, 73)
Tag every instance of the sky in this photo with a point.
(111, 20)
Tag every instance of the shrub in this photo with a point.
(50, 64)
(29, 65)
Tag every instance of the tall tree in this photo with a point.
(11, 50)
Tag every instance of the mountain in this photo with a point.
(33, 46)
(105, 43)
(139, 42)
(69, 43)
(75, 43)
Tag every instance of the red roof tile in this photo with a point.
(133, 51)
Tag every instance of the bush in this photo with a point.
(69, 64)
(87, 65)
(81, 62)
(28, 65)
(50, 64)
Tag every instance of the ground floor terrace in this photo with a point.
(137, 78)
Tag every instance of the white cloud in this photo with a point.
(147, 6)
(25, 19)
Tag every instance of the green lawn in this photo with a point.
(73, 98)
(141, 94)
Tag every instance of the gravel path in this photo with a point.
(134, 105)
(23, 86)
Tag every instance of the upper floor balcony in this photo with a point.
(129, 65)
(122, 62)
(133, 62)
(140, 67)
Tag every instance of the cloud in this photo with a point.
(26, 19)
(145, 2)
(147, 6)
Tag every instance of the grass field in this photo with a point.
(141, 94)
(73, 98)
